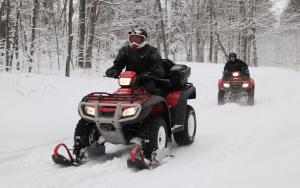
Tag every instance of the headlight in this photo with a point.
(236, 74)
(124, 81)
(226, 85)
(129, 111)
(245, 85)
(90, 110)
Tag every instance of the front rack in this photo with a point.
(119, 97)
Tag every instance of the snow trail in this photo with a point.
(235, 146)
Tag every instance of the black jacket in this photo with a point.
(146, 59)
(237, 65)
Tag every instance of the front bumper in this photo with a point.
(110, 126)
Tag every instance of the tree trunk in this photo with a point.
(216, 53)
(218, 40)
(92, 24)
(16, 37)
(8, 44)
(56, 36)
(81, 33)
(244, 39)
(164, 39)
(70, 38)
(253, 34)
(199, 44)
(189, 48)
(211, 37)
(33, 33)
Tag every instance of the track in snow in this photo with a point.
(236, 146)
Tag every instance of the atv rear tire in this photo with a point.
(221, 95)
(156, 136)
(187, 136)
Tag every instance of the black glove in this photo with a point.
(226, 74)
(144, 76)
(112, 73)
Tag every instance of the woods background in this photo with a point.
(64, 35)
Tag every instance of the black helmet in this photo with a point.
(232, 54)
(137, 38)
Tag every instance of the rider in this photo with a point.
(140, 57)
(235, 64)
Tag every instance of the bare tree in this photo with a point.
(243, 32)
(92, 25)
(33, 33)
(81, 33)
(16, 37)
(164, 40)
(211, 37)
(70, 43)
(8, 30)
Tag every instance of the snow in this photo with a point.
(235, 146)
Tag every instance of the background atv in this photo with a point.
(133, 116)
(236, 88)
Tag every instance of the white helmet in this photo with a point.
(137, 38)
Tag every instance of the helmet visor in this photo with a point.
(136, 39)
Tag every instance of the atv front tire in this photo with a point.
(251, 97)
(221, 95)
(156, 136)
(86, 135)
(187, 136)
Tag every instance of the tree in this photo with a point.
(33, 32)
(81, 33)
(163, 34)
(67, 73)
(92, 24)
(8, 30)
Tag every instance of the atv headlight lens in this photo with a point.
(226, 85)
(124, 81)
(236, 74)
(129, 111)
(245, 85)
(90, 110)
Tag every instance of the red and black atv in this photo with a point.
(131, 115)
(236, 88)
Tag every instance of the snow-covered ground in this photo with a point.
(236, 146)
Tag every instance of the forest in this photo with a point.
(39, 36)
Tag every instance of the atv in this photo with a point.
(236, 88)
(131, 115)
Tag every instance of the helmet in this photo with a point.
(232, 54)
(137, 38)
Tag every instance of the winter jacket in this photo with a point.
(237, 65)
(146, 59)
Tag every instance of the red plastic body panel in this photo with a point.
(129, 74)
(157, 109)
(124, 96)
(173, 98)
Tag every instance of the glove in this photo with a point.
(112, 73)
(144, 76)
(226, 74)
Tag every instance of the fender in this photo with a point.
(178, 112)
(147, 109)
